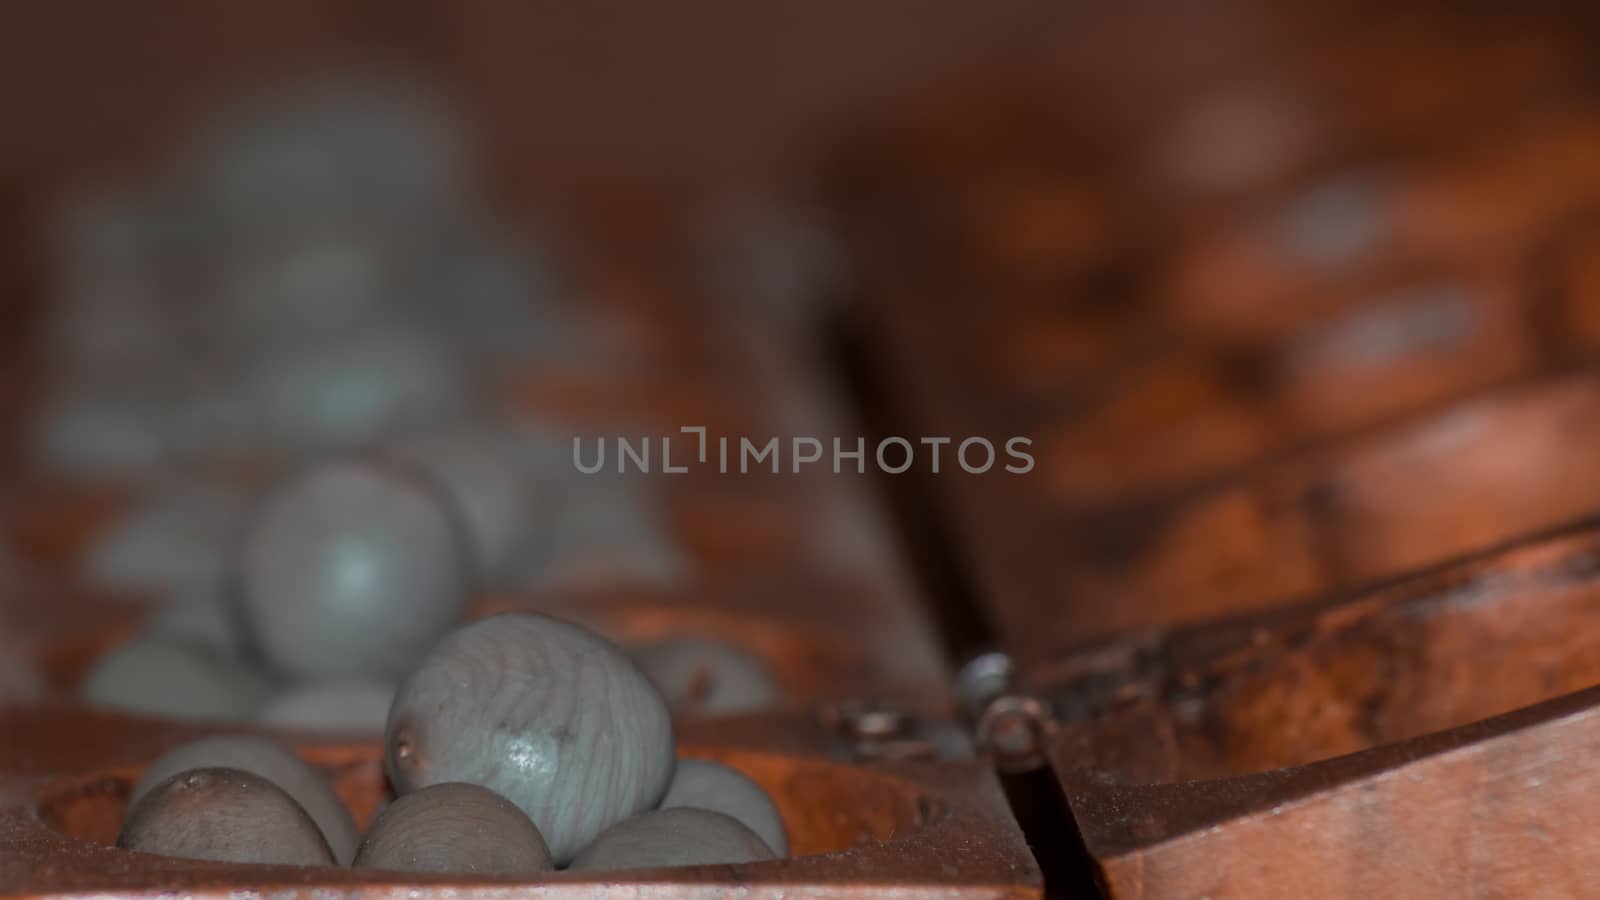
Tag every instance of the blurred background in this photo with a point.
(569, 99)
(1288, 296)
(241, 243)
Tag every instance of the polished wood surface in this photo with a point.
(1303, 340)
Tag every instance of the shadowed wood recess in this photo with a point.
(1304, 341)
(928, 828)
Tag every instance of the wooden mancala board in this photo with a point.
(1298, 589)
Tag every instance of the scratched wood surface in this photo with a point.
(1303, 745)
(1302, 337)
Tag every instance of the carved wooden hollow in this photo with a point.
(919, 827)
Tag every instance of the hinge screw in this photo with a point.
(1012, 729)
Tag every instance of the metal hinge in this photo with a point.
(996, 722)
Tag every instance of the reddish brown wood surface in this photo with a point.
(1503, 801)
(1307, 747)
(1310, 435)
(1293, 300)
(907, 829)
(1288, 318)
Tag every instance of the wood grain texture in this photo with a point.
(543, 712)
(454, 828)
(269, 760)
(667, 838)
(701, 784)
(1301, 341)
(889, 829)
(1022, 275)
(224, 815)
(1506, 803)
(1373, 504)
(1306, 740)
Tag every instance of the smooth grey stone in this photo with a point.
(454, 827)
(357, 144)
(173, 540)
(611, 534)
(706, 676)
(103, 428)
(673, 837)
(347, 707)
(502, 300)
(201, 618)
(318, 285)
(163, 677)
(543, 712)
(351, 568)
(271, 760)
(224, 815)
(703, 784)
(356, 388)
(494, 487)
